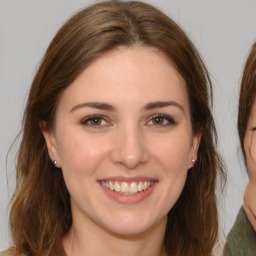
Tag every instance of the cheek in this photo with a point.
(174, 152)
(174, 158)
(80, 155)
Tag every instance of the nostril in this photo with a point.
(129, 148)
(130, 159)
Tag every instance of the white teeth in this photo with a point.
(140, 186)
(133, 188)
(117, 187)
(124, 187)
(111, 186)
(127, 188)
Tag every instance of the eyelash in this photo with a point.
(168, 119)
(86, 121)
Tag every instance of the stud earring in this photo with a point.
(193, 161)
(54, 162)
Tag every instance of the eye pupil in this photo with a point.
(158, 120)
(96, 121)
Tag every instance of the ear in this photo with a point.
(194, 148)
(50, 143)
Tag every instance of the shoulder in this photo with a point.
(241, 239)
(226, 251)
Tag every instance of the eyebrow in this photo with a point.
(162, 104)
(97, 105)
(147, 107)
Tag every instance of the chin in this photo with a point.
(131, 225)
(129, 230)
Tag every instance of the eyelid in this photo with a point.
(85, 121)
(91, 117)
(170, 120)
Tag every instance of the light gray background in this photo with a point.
(222, 30)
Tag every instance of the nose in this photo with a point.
(129, 148)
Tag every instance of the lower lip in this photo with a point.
(129, 199)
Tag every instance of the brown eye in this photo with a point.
(94, 121)
(158, 120)
(161, 120)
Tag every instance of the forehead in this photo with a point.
(137, 74)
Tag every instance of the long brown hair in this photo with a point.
(41, 215)
(247, 94)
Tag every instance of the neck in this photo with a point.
(92, 240)
(250, 203)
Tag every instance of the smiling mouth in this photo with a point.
(127, 188)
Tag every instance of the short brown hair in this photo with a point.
(247, 94)
(41, 215)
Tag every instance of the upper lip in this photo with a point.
(128, 179)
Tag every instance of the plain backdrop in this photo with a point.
(222, 31)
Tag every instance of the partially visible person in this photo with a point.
(241, 239)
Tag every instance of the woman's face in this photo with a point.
(124, 141)
(250, 155)
(250, 144)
